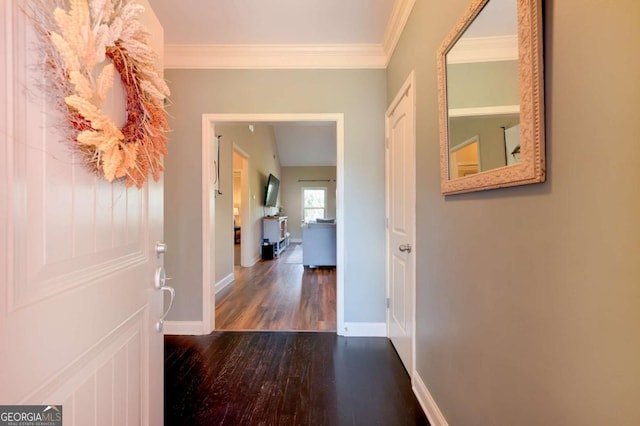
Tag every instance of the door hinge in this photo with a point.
(388, 303)
(386, 143)
(386, 222)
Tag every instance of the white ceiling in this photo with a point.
(273, 21)
(306, 144)
(262, 34)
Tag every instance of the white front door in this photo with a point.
(78, 307)
(400, 201)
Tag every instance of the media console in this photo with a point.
(274, 229)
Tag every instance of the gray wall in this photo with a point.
(359, 94)
(291, 193)
(482, 84)
(528, 298)
(260, 146)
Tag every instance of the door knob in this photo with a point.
(405, 248)
(161, 248)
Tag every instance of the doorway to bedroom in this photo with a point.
(289, 290)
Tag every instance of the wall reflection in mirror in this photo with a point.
(483, 92)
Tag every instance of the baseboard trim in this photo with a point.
(296, 240)
(427, 402)
(183, 328)
(364, 329)
(223, 283)
(252, 262)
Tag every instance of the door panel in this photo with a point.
(77, 303)
(399, 295)
(400, 175)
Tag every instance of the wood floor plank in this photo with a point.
(276, 295)
(286, 378)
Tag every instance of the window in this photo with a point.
(314, 202)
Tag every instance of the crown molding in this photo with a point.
(399, 16)
(274, 56)
(286, 56)
(484, 49)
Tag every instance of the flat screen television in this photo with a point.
(271, 193)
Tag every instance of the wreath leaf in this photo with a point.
(111, 160)
(85, 108)
(104, 82)
(151, 89)
(66, 52)
(81, 84)
(130, 11)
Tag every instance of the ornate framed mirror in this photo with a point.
(490, 96)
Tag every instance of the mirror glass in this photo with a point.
(482, 86)
(482, 91)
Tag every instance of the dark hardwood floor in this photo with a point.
(279, 295)
(286, 378)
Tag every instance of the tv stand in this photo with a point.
(274, 229)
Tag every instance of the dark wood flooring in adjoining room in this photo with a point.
(286, 378)
(279, 295)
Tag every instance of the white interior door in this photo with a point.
(78, 306)
(400, 201)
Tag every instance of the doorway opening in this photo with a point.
(250, 233)
(241, 207)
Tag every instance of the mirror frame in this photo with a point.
(531, 168)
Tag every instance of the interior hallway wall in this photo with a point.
(529, 297)
(359, 94)
(260, 145)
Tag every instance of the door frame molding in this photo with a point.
(208, 203)
(409, 86)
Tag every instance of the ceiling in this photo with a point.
(306, 144)
(215, 33)
(273, 21)
(261, 34)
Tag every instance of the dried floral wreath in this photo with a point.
(85, 44)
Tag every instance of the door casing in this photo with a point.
(208, 204)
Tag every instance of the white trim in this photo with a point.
(293, 56)
(340, 252)
(364, 329)
(208, 251)
(224, 283)
(399, 16)
(295, 240)
(183, 328)
(208, 121)
(489, 110)
(484, 49)
(427, 402)
(274, 56)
